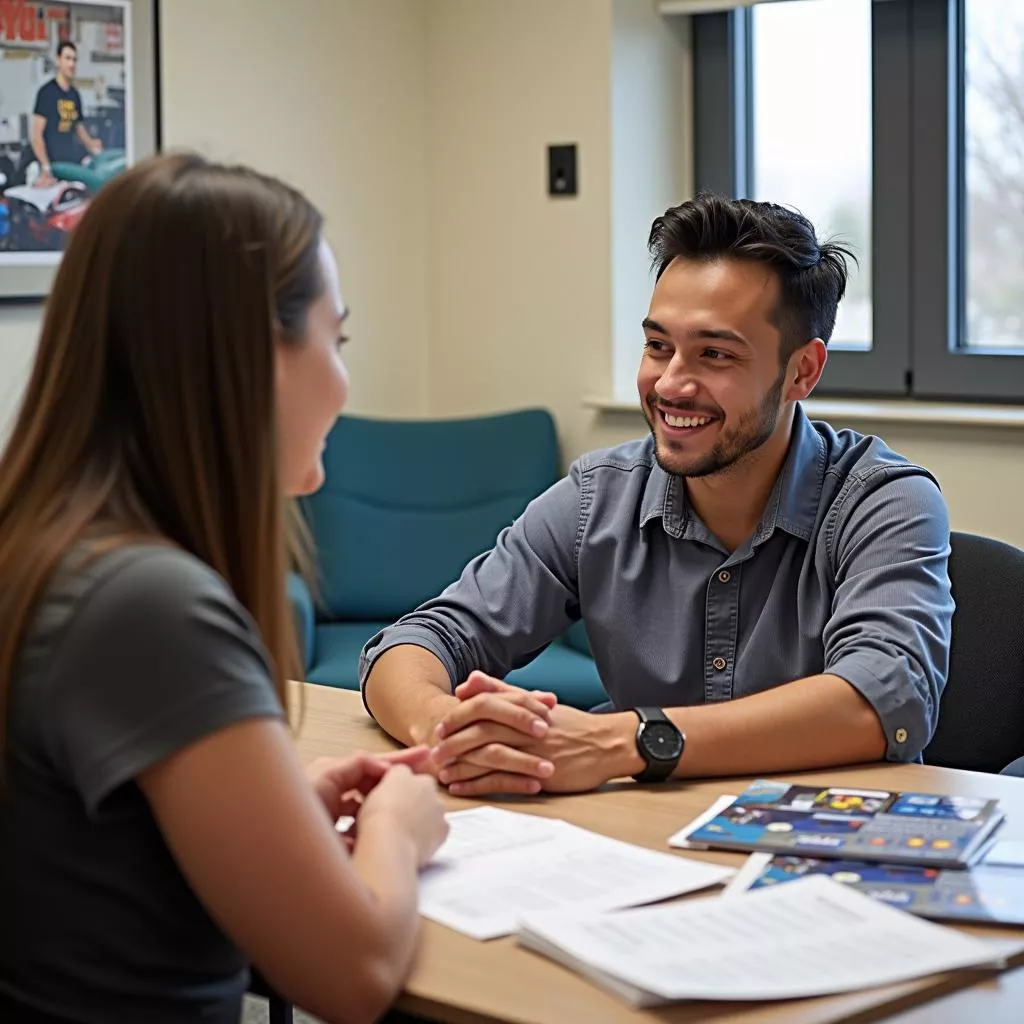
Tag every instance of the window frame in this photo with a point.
(918, 213)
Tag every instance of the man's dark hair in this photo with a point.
(66, 44)
(812, 275)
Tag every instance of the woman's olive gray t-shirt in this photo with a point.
(131, 657)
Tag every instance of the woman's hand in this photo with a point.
(409, 805)
(343, 782)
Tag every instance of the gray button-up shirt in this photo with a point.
(846, 574)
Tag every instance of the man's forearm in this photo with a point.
(39, 149)
(408, 692)
(815, 722)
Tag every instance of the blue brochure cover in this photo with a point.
(986, 894)
(853, 824)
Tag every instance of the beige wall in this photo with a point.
(19, 326)
(332, 97)
(520, 304)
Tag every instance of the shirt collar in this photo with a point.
(664, 498)
(792, 505)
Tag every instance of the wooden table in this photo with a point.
(458, 980)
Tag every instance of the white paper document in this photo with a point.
(497, 866)
(811, 937)
(492, 830)
(749, 872)
(680, 839)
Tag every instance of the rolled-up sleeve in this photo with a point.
(509, 603)
(889, 631)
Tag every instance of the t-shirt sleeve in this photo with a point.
(159, 655)
(44, 105)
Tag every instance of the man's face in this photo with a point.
(710, 382)
(68, 62)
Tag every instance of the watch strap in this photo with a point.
(651, 715)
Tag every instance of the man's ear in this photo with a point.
(804, 370)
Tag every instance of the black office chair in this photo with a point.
(981, 718)
(280, 1010)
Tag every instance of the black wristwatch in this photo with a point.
(660, 743)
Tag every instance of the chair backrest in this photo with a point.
(981, 718)
(407, 503)
(279, 1010)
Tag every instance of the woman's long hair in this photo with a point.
(150, 411)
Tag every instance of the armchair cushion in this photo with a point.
(407, 504)
(560, 669)
(305, 616)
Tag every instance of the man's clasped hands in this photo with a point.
(500, 738)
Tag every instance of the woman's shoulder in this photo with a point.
(153, 574)
(138, 651)
(146, 592)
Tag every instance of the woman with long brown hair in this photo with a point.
(156, 828)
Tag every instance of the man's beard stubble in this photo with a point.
(753, 429)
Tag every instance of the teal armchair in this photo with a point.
(405, 506)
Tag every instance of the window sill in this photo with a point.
(870, 410)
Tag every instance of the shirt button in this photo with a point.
(901, 735)
(724, 576)
(719, 664)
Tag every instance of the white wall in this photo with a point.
(332, 96)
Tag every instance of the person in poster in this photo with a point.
(58, 133)
(64, 116)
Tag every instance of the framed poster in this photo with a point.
(79, 102)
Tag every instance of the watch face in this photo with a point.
(662, 741)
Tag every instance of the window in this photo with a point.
(825, 173)
(994, 176)
(897, 125)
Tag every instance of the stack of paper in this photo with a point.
(811, 938)
(497, 866)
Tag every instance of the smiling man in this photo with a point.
(761, 593)
(58, 133)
